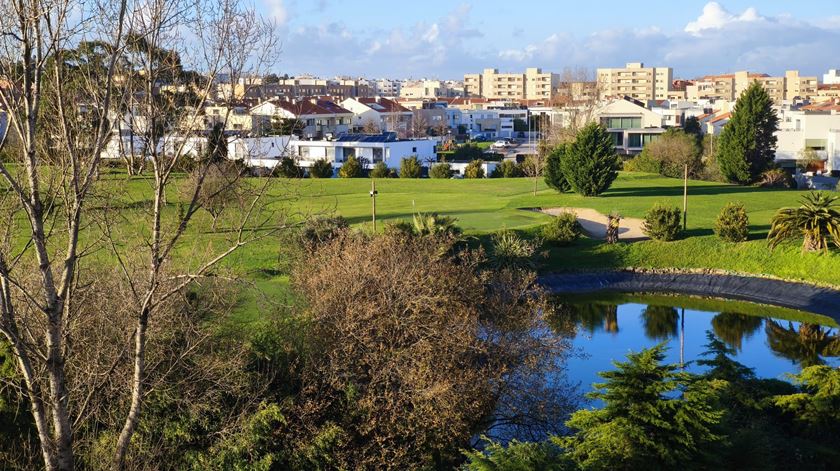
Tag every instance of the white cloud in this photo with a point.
(432, 34)
(277, 11)
(716, 17)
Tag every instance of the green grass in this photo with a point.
(488, 205)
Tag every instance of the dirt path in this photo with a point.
(595, 224)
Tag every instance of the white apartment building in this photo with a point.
(313, 117)
(534, 84)
(815, 127)
(730, 86)
(387, 87)
(832, 77)
(427, 89)
(635, 81)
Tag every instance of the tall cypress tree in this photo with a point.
(748, 143)
(590, 164)
(554, 177)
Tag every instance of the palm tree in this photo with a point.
(734, 328)
(433, 224)
(660, 322)
(816, 220)
(807, 346)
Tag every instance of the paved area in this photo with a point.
(595, 224)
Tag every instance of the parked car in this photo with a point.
(501, 144)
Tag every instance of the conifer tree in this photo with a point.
(590, 164)
(747, 142)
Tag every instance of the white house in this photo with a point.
(630, 124)
(370, 149)
(259, 151)
(813, 127)
(313, 117)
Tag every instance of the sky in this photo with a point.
(446, 39)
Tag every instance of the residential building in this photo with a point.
(832, 77)
(236, 118)
(385, 114)
(533, 84)
(635, 81)
(259, 151)
(426, 89)
(370, 149)
(830, 92)
(675, 112)
(630, 124)
(810, 128)
(730, 86)
(301, 87)
(311, 117)
(387, 88)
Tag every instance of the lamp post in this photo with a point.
(373, 194)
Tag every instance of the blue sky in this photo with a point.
(445, 39)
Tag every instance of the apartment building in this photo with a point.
(832, 77)
(813, 127)
(533, 84)
(387, 88)
(730, 86)
(385, 114)
(630, 124)
(312, 117)
(426, 89)
(635, 81)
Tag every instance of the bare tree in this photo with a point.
(419, 125)
(62, 106)
(371, 127)
(575, 105)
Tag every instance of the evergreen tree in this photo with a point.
(321, 168)
(554, 177)
(654, 417)
(748, 143)
(351, 168)
(590, 164)
(410, 167)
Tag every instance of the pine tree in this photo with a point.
(654, 417)
(351, 168)
(748, 143)
(590, 164)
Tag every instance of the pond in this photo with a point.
(773, 341)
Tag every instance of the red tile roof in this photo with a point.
(312, 106)
(388, 106)
(721, 117)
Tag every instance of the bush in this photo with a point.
(663, 223)
(509, 250)
(507, 169)
(643, 163)
(467, 152)
(474, 169)
(287, 168)
(321, 169)
(816, 221)
(380, 170)
(590, 164)
(410, 167)
(401, 227)
(440, 171)
(322, 229)
(732, 223)
(351, 168)
(776, 178)
(563, 229)
(553, 173)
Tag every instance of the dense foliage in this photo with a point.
(441, 170)
(410, 167)
(321, 168)
(590, 164)
(816, 221)
(467, 152)
(507, 169)
(776, 178)
(351, 168)
(669, 155)
(288, 168)
(474, 169)
(733, 224)
(747, 144)
(553, 172)
(381, 170)
(563, 229)
(663, 222)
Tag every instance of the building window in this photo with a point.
(636, 140)
(618, 139)
(622, 123)
(413, 150)
(377, 154)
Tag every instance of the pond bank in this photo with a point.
(792, 295)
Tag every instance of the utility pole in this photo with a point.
(373, 194)
(685, 199)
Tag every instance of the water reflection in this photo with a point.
(807, 346)
(733, 328)
(606, 329)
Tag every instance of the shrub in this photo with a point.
(509, 250)
(288, 168)
(467, 152)
(817, 221)
(732, 223)
(563, 229)
(590, 164)
(507, 169)
(433, 224)
(440, 171)
(321, 169)
(643, 163)
(410, 167)
(351, 168)
(776, 178)
(671, 153)
(401, 227)
(553, 173)
(474, 169)
(322, 229)
(380, 170)
(663, 222)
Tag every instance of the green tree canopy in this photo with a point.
(590, 164)
(748, 143)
